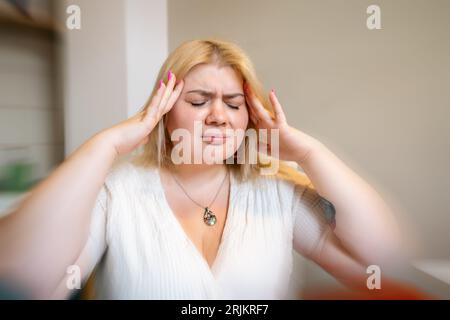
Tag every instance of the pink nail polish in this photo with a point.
(169, 75)
(160, 83)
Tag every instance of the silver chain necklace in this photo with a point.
(209, 218)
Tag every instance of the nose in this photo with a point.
(217, 115)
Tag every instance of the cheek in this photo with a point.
(182, 115)
(241, 119)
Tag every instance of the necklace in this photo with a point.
(209, 218)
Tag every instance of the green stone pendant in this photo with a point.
(209, 218)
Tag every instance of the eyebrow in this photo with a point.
(211, 94)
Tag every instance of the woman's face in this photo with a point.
(213, 100)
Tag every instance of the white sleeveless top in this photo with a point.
(147, 255)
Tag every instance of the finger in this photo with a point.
(257, 106)
(279, 113)
(254, 120)
(159, 93)
(251, 114)
(167, 92)
(152, 108)
(254, 103)
(251, 108)
(174, 96)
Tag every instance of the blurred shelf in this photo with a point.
(14, 21)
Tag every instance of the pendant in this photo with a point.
(209, 218)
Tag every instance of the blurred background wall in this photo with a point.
(379, 99)
(111, 63)
(31, 112)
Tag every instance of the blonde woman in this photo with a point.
(155, 229)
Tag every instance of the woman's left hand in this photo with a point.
(294, 145)
(378, 238)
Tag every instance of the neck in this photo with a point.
(198, 172)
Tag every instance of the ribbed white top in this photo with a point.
(147, 254)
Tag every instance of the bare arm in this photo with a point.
(48, 230)
(364, 222)
(338, 262)
(45, 234)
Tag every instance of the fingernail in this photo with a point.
(160, 83)
(169, 75)
(273, 91)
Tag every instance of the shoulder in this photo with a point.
(287, 181)
(127, 175)
(284, 189)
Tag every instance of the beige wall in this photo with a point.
(94, 67)
(111, 63)
(379, 99)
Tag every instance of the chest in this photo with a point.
(250, 253)
(193, 218)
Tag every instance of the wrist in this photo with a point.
(312, 146)
(104, 140)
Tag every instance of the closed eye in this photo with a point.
(199, 104)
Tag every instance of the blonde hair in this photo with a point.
(188, 55)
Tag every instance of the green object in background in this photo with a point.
(16, 176)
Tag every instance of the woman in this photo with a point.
(168, 229)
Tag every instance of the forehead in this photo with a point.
(212, 77)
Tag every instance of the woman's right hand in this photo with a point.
(134, 132)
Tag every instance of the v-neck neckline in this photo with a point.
(214, 268)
